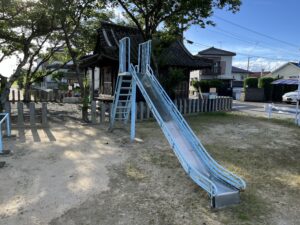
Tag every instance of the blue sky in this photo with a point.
(275, 18)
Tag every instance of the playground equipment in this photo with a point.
(222, 186)
(5, 117)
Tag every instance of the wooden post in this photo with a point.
(176, 103)
(20, 114)
(32, 113)
(190, 106)
(215, 104)
(44, 114)
(102, 112)
(205, 105)
(230, 103)
(221, 103)
(110, 108)
(35, 96)
(193, 105)
(93, 112)
(201, 107)
(198, 105)
(184, 106)
(147, 112)
(13, 97)
(19, 96)
(180, 105)
(141, 111)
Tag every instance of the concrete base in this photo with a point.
(11, 136)
(5, 153)
(2, 164)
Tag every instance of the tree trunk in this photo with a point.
(26, 96)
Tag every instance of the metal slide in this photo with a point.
(223, 186)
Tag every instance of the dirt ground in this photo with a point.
(75, 174)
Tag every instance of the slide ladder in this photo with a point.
(123, 93)
(223, 186)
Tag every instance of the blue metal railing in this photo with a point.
(124, 67)
(214, 167)
(200, 179)
(5, 117)
(219, 171)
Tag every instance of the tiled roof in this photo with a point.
(216, 51)
(175, 55)
(239, 70)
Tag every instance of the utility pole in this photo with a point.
(248, 65)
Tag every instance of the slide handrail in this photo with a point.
(213, 166)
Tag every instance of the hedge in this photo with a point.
(251, 82)
(265, 83)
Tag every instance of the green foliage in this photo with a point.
(171, 80)
(265, 83)
(251, 82)
(176, 15)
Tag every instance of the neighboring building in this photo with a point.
(289, 70)
(222, 64)
(106, 59)
(239, 74)
(259, 74)
(221, 69)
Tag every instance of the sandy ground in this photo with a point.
(54, 169)
(75, 174)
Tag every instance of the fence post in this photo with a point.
(176, 103)
(110, 108)
(136, 110)
(13, 96)
(93, 112)
(20, 114)
(142, 111)
(185, 106)
(32, 113)
(102, 111)
(189, 101)
(197, 105)
(230, 104)
(19, 95)
(147, 112)
(44, 114)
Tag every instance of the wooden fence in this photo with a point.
(37, 96)
(99, 111)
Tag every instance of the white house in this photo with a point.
(239, 74)
(222, 67)
(287, 71)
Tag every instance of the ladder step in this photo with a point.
(124, 94)
(122, 107)
(126, 88)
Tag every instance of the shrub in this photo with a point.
(251, 82)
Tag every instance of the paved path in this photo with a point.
(257, 109)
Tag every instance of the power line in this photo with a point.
(256, 32)
(255, 42)
(241, 53)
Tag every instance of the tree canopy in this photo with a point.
(176, 15)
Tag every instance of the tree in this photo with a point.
(177, 15)
(25, 27)
(77, 21)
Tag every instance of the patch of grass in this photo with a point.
(134, 173)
